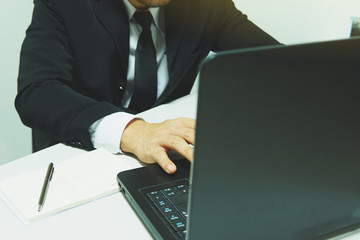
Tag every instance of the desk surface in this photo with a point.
(107, 218)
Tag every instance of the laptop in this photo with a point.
(277, 150)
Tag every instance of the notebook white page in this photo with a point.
(75, 181)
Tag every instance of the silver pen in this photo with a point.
(48, 177)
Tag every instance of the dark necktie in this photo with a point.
(145, 81)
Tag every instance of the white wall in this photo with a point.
(294, 21)
(14, 137)
(290, 21)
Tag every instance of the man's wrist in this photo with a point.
(131, 135)
(106, 132)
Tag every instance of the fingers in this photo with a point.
(150, 142)
(175, 135)
(187, 134)
(184, 128)
(165, 163)
(181, 146)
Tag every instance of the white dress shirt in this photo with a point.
(107, 132)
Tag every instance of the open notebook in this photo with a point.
(75, 181)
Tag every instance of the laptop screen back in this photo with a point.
(277, 152)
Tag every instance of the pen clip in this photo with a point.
(51, 173)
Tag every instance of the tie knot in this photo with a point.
(144, 19)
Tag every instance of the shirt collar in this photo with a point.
(155, 12)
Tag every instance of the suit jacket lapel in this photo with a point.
(113, 15)
(175, 22)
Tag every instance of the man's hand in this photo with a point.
(150, 142)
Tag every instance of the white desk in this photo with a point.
(108, 218)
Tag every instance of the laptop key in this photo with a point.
(182, 233)
(155, 195)
(159, 201)
(182, 188)
(173, 217)
(179, 225)
(168, 191)
(165, 190)
(167, 210)
(182, 208)
(174, 197)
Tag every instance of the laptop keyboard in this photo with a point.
(171, 202)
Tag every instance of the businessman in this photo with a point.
(87, 66)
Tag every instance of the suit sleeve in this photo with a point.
(48, 99)
(234, 30)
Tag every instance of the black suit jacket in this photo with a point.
(74, 59)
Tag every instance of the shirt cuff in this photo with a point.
(106, 132)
